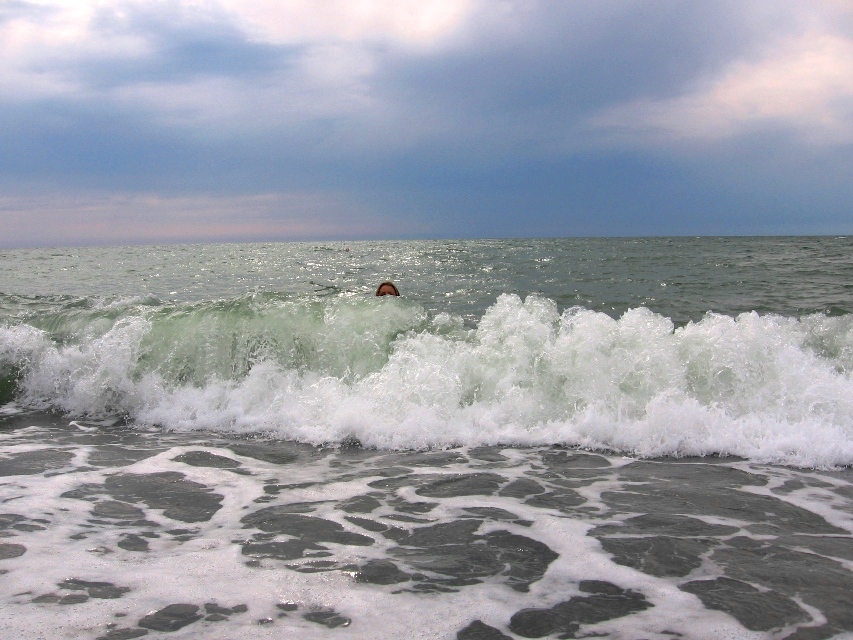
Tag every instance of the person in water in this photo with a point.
(387, 288)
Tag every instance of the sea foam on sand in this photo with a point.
(111, 532)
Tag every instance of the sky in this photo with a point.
(164, 121)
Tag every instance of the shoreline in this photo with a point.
(110, 532)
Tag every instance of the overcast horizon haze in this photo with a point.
(171, 121)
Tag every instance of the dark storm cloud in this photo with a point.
(579, 56)
(180, 45)
(504, 126)
(499, 98)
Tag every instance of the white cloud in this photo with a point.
(804, 85)
(328, 59)
(39, 43)
(283, 21)
(413, 22)
(53, 49)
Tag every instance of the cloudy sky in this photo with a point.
(147, 121)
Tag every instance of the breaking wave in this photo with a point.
(390, 374)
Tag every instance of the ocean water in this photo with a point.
(625, 438)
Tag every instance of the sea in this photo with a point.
(627, 438)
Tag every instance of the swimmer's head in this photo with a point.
(387, 288)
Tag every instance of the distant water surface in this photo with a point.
(681, 278)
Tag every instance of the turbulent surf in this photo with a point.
(392, 374)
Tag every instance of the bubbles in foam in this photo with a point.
(768, 387)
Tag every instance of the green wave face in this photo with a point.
(8, 383)
(346, 338)
(343, 338)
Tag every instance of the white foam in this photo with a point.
(211, 567)
(769, 388)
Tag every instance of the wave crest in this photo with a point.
(770, 388)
